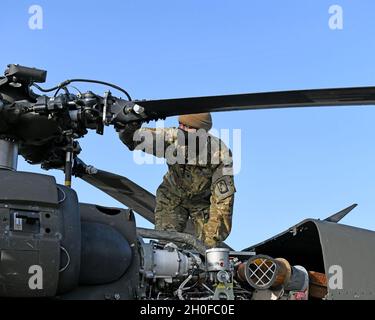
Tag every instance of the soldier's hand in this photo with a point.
(129, 128)
(126, 133)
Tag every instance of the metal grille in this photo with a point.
(261, 272)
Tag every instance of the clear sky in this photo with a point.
(295, 163)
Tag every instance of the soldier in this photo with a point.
(199, 183)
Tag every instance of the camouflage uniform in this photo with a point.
(198, 187)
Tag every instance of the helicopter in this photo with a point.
(53, 246)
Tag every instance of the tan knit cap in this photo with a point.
(197, 121)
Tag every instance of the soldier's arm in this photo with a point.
(150, 140)
(219, 223)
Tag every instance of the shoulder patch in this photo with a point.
(224, 188)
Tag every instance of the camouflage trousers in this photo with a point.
(212, 224)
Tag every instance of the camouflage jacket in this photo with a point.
(196, 170)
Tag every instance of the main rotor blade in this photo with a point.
(128, 193)
(125, 191)
(156, 109)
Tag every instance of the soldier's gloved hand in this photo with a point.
(126, 133)
(129, 129)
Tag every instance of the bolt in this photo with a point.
(138, 109)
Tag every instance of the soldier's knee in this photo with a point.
(173, 220)
(171, 223)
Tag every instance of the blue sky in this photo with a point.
(295, 163)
